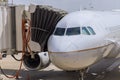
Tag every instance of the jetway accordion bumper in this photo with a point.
(44, 19)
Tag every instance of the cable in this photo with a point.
(16, 58)
(16, 74)
(26, 38)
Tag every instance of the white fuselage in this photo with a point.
(82, 38)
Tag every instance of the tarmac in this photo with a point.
(10, 66)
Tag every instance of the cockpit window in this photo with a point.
(91, 30)
(59, 31)
(85, 31)
(73, 31)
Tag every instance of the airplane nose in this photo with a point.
(74, 60)
(81, 52)
(60, 44)
(56, 44)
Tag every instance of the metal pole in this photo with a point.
(12, 2)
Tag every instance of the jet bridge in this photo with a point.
(43, 21)
(20, 29)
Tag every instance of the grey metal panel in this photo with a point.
(19, 11)
(13, 27)
(11, 38)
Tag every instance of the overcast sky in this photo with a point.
(102, 4)
(75, 5)
(69, 5)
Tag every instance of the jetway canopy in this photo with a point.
(44, 19)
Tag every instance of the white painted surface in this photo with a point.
(3, 20)
(75, 52)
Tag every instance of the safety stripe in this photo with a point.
(83, 49)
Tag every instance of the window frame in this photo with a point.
(91, 32)
(59, 28)
(73, 34)
(86, 29)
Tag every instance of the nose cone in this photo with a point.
(60, 44)
(70, 53)
(75, 60)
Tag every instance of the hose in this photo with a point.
(26, 38)
(16, 58)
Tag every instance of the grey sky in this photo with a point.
(100, 4)
(75, 5)
(69, 5)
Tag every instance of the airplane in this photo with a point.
(83, 38)
(79, 40)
